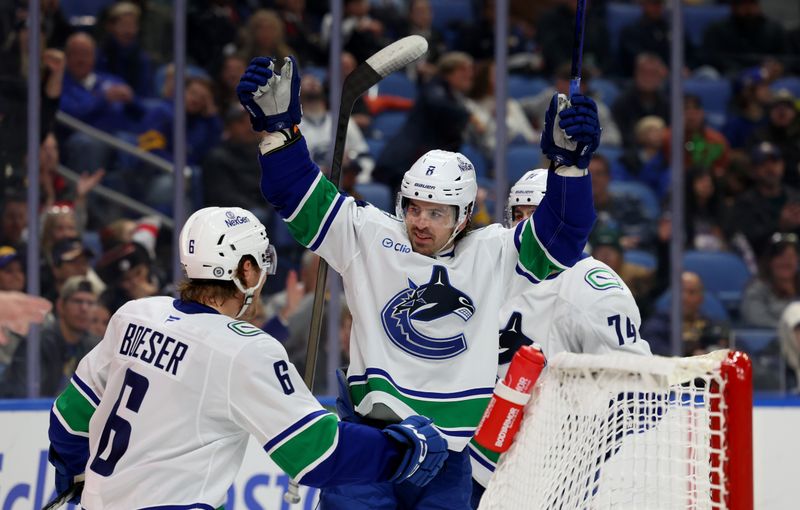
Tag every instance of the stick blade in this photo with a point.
(398, 55)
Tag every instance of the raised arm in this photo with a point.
(554, 237)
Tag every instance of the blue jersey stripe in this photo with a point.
(457, 433)
(86, 389)
(480, 460)
(518, 233)
(295, 426)
(327, 225)
(415, 393)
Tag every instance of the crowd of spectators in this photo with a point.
(112, 70)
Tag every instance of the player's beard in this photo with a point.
(425, 242)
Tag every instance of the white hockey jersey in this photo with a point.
(424, 334)
(167, 401)
(585, 309)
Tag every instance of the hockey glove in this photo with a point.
(272, 100)
(571, 131)
(426, 453)
(65, 481)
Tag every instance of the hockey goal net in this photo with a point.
(630, 432)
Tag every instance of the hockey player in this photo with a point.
(586, 308)
(424, 292)
(159, 413)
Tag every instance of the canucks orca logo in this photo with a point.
(512, 338)
(427, 303)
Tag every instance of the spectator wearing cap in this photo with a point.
(69, 257)
(768, 206)
(751, 99)
(700, 334)
(783, 130)
(777, 284)
(65, 339)
(230, 173)
(128, 272)
(12, 276)
(606, 247)
(742, 39)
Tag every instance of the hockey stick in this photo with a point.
(577, 49)
(63, 498)
(377, 67)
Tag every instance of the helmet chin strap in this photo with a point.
(449, 244)
(248, 292)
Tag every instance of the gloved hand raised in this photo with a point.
(571, 130)
(272, 100)
(427, 450)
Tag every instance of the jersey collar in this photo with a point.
(192, 307)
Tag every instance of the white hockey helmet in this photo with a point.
(440, 177)
(528, 190)
(213, 241)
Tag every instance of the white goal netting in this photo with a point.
(618, 432)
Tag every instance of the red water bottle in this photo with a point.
(503, 416)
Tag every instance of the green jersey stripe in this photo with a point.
(308, 447)
(463, 413)
(533, 257)
(75, 409)
(491, 456)
(306, 221)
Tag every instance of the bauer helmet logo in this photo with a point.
(428, 306)
(430, 170)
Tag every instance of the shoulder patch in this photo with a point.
(243, 328)
(602, 279)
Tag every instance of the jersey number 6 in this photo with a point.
(119, 426)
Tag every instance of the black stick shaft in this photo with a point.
(356, 84)
(577, 48)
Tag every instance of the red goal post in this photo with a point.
(630, 432)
